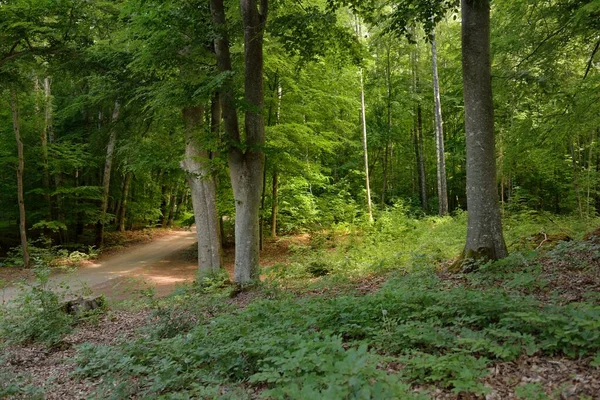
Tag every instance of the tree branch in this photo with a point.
(591, 60)
(540, 44)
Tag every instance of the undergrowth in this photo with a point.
(417, 333)
(414, 331)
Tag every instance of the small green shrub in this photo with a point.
(459, 371)
(36, 315)
(13, 386)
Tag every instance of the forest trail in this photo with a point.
(163, 263)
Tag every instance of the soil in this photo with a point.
(162, 261)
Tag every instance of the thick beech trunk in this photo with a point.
(484, 230)
(110, 149)
(439, 134)
(14, 106)
(204, 194)
(245, 166)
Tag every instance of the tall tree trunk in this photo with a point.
(421, 158)
(14, 106)
(204, 194)
(164, 204)
(439, 134)
(110, 149)
(418, 133)
(365, 148)
(275, 177)
(484, 231)
(388, 81)
(43, 131)
(123, 208)
(245, 166)
(59, 212)
(173, 204)
(274, 204)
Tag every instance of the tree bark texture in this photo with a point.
(246, 160)
(196, 164)
(14, 106)
(439, 134)
(484, 230)
(110, 149)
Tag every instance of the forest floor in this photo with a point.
(526, 327)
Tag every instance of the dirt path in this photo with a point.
(163, 264)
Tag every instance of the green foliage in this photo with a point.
(326, 369)
(317, 346)
(17, 386)
(459, 371)
(36, 315)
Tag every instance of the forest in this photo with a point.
(300, 199)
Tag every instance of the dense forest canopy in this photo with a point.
(99, 93)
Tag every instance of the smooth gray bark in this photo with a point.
(196, 164)
(439, 134)
(484, 231)
(246, 160)
(14, 106)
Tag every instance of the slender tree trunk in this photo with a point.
(204, 195)
(275, 177)
(574, 163)
(164, 204)
(49, 133)
(420, 158)
(262, 206)
(418, 133)
(439, 134)
(123, 209)
(14, 106)
(173, 204)
(245, 167)
(44, 143)
(110, 149)
(484, 231)
(386, 156)
(365, 149)
(274, 204)
(363, 117)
